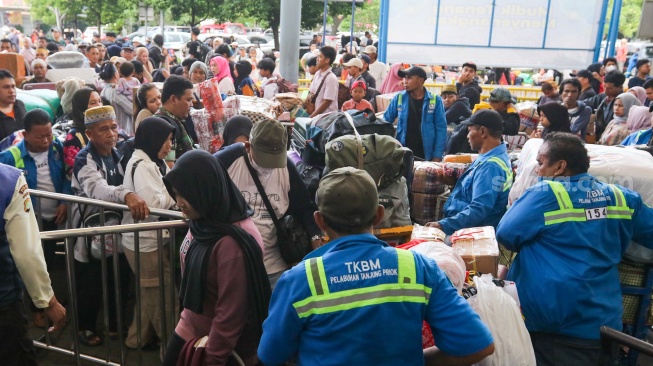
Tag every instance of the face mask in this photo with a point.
(610, 68)
(264, 172)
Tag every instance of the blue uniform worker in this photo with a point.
(571, 233)
(480, 196)
(642, 137)
(421, 124)
(358, 301)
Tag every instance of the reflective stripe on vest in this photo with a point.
(18, 159)
(322, 301)
(432, 101)
(567, 212)
(504, 167)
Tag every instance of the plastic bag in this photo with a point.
(447, 259)
(498, 310)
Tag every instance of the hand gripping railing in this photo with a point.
(70, 235)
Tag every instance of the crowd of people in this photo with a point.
(236, 289)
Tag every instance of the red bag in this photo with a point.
(212, 100)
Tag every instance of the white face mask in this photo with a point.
(610, 68)
(263, 172)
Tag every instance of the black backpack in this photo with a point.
(126, 149)
(330, 126)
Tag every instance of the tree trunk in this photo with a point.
(336, 24)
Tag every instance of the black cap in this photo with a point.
(584, 74)
(487, 118)
(415, 70)
(127, 46)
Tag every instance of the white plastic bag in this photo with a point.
(447, 259)
(498, 310)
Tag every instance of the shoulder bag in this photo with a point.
(309, 103)
(292, 239)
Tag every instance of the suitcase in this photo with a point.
(427, 185)
(298, 136)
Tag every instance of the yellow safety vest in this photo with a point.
(567, 212)
(323, 301)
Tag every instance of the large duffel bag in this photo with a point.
(383, 157)
(329, 127)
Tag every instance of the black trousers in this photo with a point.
(175, 345)
(88, 277)
(559, 350)
(16, 347)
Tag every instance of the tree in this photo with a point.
(631, 11)
(55, 11)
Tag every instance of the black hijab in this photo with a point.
(205, 184)
(558, 117)
(236, 126)
(244, 68)
(151, 134)
(80, 105)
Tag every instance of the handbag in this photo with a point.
(94, 242)
(292, 239)
(309, 103)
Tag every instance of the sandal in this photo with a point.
(89, 338)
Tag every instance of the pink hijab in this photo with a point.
(392, 80)
(639, 92)
(639, 118)
(223, 64)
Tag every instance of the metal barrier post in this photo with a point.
(139, 309)
(71, 234)
(72, 293)
(105, 285)
(116, 287)
(173, 282)
(162, 292)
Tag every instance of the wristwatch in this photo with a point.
(317, 237)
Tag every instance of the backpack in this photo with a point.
(330, 126)
(285, 86)
(383, 157)
(126, 149)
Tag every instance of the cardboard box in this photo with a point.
(479, 249)
(15, 64)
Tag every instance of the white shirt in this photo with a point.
(329, 90)
(44, 182)
(270, 87)
(378, 70)
(226, 86)
(276, 183)
(147, 183)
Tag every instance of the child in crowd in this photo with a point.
(127, 80)
(357, 101)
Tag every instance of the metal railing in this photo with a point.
(70, 236)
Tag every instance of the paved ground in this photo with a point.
(64, 338)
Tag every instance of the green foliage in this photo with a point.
(631, 11)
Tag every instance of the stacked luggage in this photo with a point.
(328, 142)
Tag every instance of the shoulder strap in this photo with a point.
(320, 86)
(134, 169)
(264, 196)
